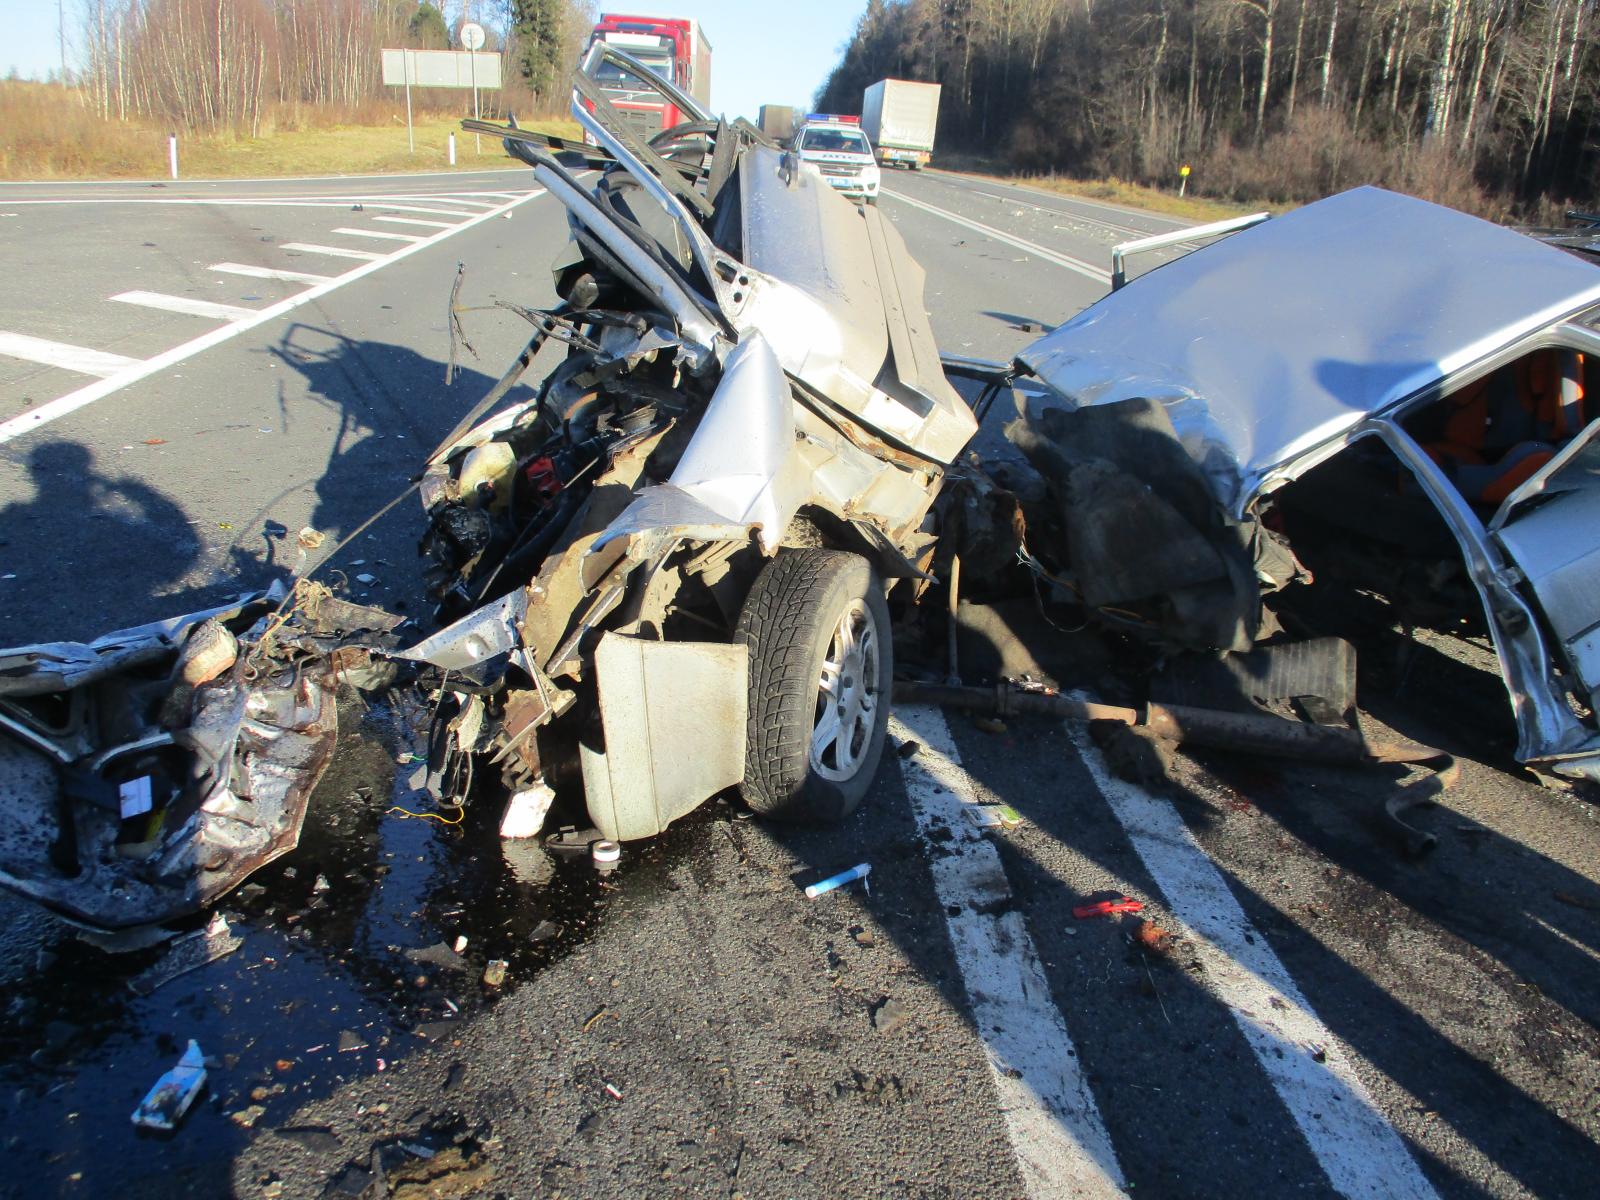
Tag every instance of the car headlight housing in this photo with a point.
(870, 174)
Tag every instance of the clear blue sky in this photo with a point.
(31, 49)
(761, 53)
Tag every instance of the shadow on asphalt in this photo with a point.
(1493, 896)
(323, 987)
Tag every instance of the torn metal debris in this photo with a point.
(151, 771)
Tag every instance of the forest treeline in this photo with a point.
(1490, 105)
(231, 65)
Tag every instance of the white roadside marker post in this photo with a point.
(172, 154)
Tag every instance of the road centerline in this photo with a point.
(1060, 1142)
(1088, 270)
(1309, 1068)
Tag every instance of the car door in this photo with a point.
(1549, 527)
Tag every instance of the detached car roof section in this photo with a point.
(1284, 337)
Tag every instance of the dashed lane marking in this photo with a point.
(42, 415)
(187, 305)
(1088, 270)
(378, 233)
(231, 268)
(58, 354)
(1356, 1146)
(1061, 1145)
(334, 251)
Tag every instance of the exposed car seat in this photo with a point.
(1498, 431)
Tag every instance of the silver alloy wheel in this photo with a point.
(847, 696)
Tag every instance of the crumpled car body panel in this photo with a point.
(1276, 349)
(1271, 346)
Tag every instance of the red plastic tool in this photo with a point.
(1104, 908)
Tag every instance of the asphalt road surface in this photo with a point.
(177, 392)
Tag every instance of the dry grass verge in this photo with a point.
(47, 133)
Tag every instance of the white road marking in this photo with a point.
(456, 200)
(1087, 270)
(267, 202)
(58, 354)
(72, 401)
(187, 305)
(231, 268)
(411, 221)
(1358, 1149)
(334, 251)
(1061, 1144)
(378, 233)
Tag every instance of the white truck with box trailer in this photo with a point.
(900, 116)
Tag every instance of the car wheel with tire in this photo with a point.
(821, 670)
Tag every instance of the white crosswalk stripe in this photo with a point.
(333, 251)
(59, 354)
(413, 221)
(230, 268)
(188, 305)
(378, 233)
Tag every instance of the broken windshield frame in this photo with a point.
(632, 156)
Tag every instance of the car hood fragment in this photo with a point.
(1280, 339)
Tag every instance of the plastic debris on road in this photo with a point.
(859, 871)
(164, 1104)
(1104, 908)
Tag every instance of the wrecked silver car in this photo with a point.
(1371, 385)
(670, 566)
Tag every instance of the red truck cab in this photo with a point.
(675, 48)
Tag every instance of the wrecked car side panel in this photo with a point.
(739, 473)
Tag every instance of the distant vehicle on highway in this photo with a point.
(900, 117)
(673, 48)
(778, 121)
(836, 146)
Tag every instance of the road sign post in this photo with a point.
(1183, 178)
(472, 38)
(405, 69)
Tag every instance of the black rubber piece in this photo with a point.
(786, 624)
